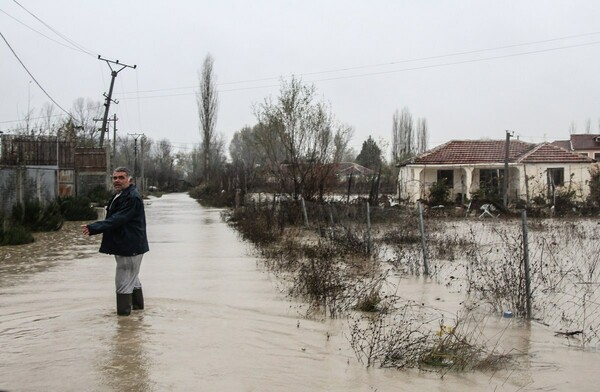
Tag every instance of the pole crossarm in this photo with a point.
(109, 62)
(108, 96)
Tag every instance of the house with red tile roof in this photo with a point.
(584, 143)
(468, 165)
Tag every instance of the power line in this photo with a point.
(33, 77)
(70, 41)
(45, 117)
(345, 69)
(460, 62)
(387, 72)
(39, 32)
(457, 53)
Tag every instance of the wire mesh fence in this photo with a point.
(480, 257)
(564, 256)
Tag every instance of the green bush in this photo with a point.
(212, 196)
(15, 235)
(564, 201)
(35, 217)
(98, 195)
(593, 200)
(77, 209)
(439, 193)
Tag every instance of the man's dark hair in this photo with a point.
(124, 170)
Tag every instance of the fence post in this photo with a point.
(237, 198)
(526, 263)
(423, 242)
(304, 212)
(368, 229)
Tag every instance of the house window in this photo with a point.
(597, 156)
(556, 176)
(490, 178)
(447, 176)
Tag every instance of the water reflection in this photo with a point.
(127, 366)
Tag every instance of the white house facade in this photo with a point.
(468, 165)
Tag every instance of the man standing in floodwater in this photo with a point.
(124, 236)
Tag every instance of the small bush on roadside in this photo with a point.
(593, 200)
(98, 195)
(212, 196)
(77, 209)
(564, 201)
(35, 217)
(15, 235)
(439, 193)
(254, 224)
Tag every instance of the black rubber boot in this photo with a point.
(123, 304)
(137, 299)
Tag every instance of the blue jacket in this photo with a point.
(124, 229)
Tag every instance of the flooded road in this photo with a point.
(214, 321)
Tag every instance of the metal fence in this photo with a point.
(24, 183)
(483, 257)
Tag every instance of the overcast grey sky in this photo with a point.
(473, 69)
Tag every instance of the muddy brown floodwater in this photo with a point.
(215, 321)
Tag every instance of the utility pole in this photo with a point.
(506, 157)
(109, 159)
(113, 75)
(135, 136)
(142, 183)
(114, 121)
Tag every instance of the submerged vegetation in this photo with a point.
(338, 258)
(325, 256)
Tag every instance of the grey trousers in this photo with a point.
(126, 277)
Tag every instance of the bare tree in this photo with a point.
(47, 114)
(164, 158)
(296, 135)
(403, 141)
(84, 112)
(422, 136)
(572, 128)
(245, 156)
(406, 140)
(125, 152)
(207, 100)
(588, 125)
(342, 138)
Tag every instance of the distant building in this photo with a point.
(43, 168)
(585, 144)
(469, 165)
